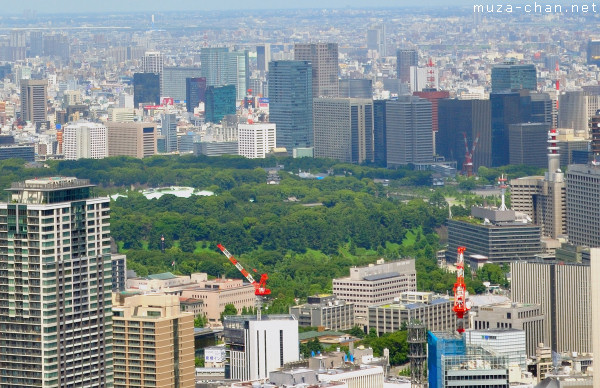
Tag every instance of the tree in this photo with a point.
(199, 362)
(356, 331)
(200, 321)
(229, 310)
(311, 346)
(187, 242)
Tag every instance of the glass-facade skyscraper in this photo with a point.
(511, 76)
(55, 286)
(220, 101)
(146, 88)
(291, 103)
(195, 92)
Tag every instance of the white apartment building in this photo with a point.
(256, 140)
(258, 347)
(376, 284)
(85, 140)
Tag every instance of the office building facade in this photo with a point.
(325, 311)
(583, 214)
(263, 57)
(220, 101)
(343, 129)
(568, 316)
(356, 88)
(256, 140)
(509, 343)
(173, 81)
(56, 332)
(380, 283)
(221, 67)
(324, 60)
(195, 92)
(291, 103)
(460, 118)
(34, 100)
(153, 342)
(507, 108)
(527, 144)
(135, 139)
(146, 89)
(168, 129)
(433, 311)
(409, 136)
(19, 151)
(153, 62)
(85, 140)
(512, 76)
(257, 347)
(405, 58)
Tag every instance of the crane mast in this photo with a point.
(260, 287)
(460, 291)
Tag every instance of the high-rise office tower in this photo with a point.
(409, 137)
(583, 213)
(343, 129)
(85, 140)
(173, 81)
(568, 323)
(195, 92)
(17, 45)
(36, 44)
(165, 356)
(169, 131)
(433, 96)
(153, 62)
(263, 57)
(291, 103)
(405, 58)
(221, 67)
(34, 100)
(324, 60)
(543, 199)
(376, 39)
(507, 108)
(146, 89)
(259, 346)
(57, 46)
(460, 118)
(135, 139)
(356, 88)
(256, 140)
(527, 143)
(593, 52)
(379, 133)
(572, 112)
(511, 76)
(56, 285)
(220, 101)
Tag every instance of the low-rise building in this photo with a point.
(505, 342)
(434, 311)
(325, 311)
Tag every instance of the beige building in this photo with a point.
(166, 282)
(123, 115)
(34, 100)
(375, 284)
(216, 294)
(135, 139)
(153, 342)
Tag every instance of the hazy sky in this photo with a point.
(60, 6)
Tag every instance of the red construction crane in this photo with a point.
(460, 291)
(260, 288)
(468, 163)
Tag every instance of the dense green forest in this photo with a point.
(302, 232)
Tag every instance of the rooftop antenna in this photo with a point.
(503, 186)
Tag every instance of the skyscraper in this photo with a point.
(238, 72)
(376, 39)
(263, 57)
(343, 129)
(221, 67)
(169, 131)
(409, 136)
(56, 285)
(507, 108)
(173, 81)
(195, 92)
(356, 88)
(146, 89)
(405, 58)
(379, 133)
(34, 100)
(511, 76)
(135, 139)
(213, 64)
(593, 52)
(153, 62)
(36, 44)
(324, 60)
(527, 144)
(220, 101)
(291, 103)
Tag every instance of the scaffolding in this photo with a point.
(417, 342)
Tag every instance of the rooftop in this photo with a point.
(162, 276)
(316, 334)
(381, 276)
(50, 183)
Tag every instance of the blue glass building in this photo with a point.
(220, 101)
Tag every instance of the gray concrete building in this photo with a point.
(375, 284)
(583, 212)
(434, 311)
(522, 316)
(343, 129)
(325, 68)
(500, 235)
(563, 293)
(527, 143)
(356, 88)
(216, 148)
(172, 81)
(325, 311)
